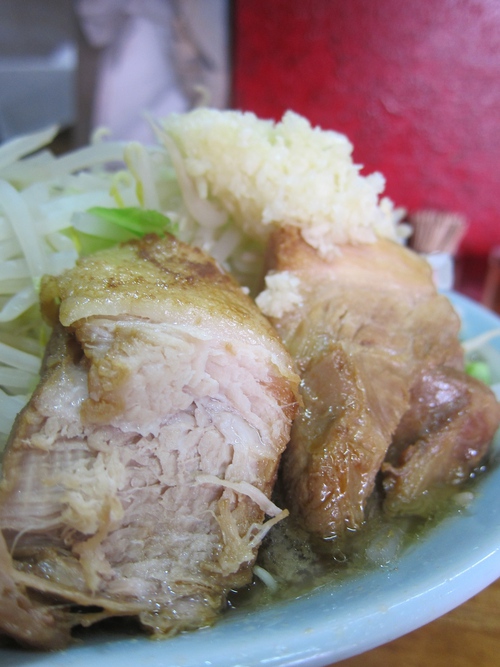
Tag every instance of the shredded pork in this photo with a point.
(137, 479)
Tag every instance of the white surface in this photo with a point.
(37, 91)
(443, 269)
(38, 62)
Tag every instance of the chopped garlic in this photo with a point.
(282, 294)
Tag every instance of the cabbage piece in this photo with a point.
(54, 209)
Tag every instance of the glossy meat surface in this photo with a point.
(444, 435)
(137, 480)
(368, 324)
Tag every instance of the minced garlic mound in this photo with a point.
(264, 174)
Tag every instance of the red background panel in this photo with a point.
(414, 85)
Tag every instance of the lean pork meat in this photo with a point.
(372, 338)
(137, 480)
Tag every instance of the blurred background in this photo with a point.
(38, 62)
(414, 85)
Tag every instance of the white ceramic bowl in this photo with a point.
(452, 562)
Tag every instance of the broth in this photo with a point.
(299, 563)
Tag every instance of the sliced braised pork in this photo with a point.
(444, 435)
(362, 328)
(137, 480)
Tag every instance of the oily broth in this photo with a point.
(299, 564)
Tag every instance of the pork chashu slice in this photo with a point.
(369, 325)
(137, 479)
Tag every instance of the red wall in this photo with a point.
(415, 85)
